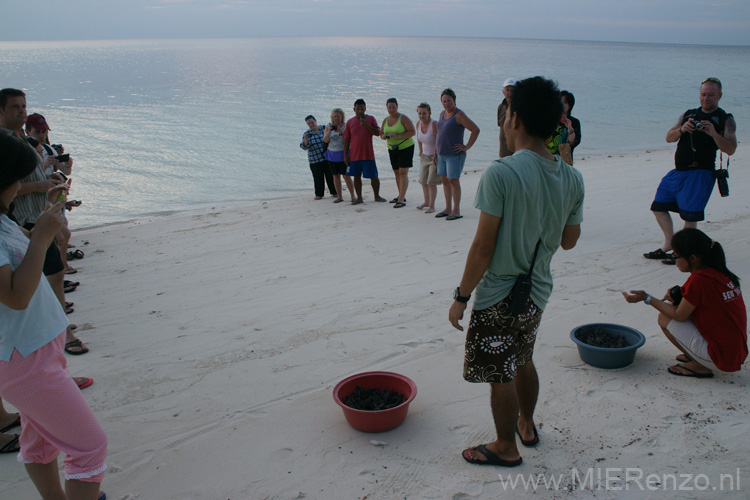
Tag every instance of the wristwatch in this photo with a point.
(457, 296)
(647, 300)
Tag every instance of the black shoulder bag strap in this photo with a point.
(522, 287)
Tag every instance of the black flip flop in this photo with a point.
(76, 343)
(11, 446)
(492, 459)
(657, 254)
(15, 423)
(691, 373)
(531, 442)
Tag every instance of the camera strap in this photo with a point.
(533, 259)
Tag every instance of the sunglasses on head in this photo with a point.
(714, 80)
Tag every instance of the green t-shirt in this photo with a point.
(536, 198)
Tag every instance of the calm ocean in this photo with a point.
(162, 125)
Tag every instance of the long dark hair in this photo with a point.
(691, 241)
(17, 160)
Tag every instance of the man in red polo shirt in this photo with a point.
(358, 152)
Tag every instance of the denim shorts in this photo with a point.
(451, 165)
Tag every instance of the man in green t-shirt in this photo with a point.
(527, 199)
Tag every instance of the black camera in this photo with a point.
(334, 127)
(721, 180)
(676, 293)
(63, 158)
(698, 125)
(519, 295)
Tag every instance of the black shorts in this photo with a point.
(401, 158)
(53, 263)
(337, 167)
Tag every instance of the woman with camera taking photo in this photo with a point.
(707, 320)
(333, 136)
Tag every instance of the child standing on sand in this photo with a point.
(54, 415)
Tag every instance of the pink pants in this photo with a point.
(55, 416)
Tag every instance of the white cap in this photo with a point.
(510, 82)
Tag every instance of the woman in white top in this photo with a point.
(428, 177)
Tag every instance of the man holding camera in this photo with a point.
(531, 203)
(699, 133)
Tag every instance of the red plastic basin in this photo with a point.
(381, 420)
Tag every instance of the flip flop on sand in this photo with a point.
(380, 199)
(441, 214)
(492, 459)
(531, 442)
(690, 373)
(78, 345)
(657, 254)
(15, 423)
(454, 217)
(11, 446)
(83, 382)
(75, 255)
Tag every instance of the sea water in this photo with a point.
(163, 125)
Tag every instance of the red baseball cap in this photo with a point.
(37, 121)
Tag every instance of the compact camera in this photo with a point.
(698, 125)
(721, 180)
(676, 294)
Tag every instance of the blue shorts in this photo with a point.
(451, 165)
(685, 192)
(366, 168)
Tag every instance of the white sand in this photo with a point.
(216, 340)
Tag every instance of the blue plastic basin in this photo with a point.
(604, 357)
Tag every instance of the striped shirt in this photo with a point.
(28, 207)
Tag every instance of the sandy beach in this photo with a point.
(217, 337)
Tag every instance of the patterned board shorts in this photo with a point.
(497, 343)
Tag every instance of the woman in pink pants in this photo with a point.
(33, 376)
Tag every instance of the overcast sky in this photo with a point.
(723, 22)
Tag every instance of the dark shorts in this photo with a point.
(402, 158)
(53, 263)
(685, 192)
(337, 167)
(366, 168)
(498, 343)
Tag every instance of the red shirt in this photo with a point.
(360, 138)
(719, 315)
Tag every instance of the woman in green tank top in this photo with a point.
(399, 131)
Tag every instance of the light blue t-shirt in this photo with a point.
(536, 198)
(43, 320)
